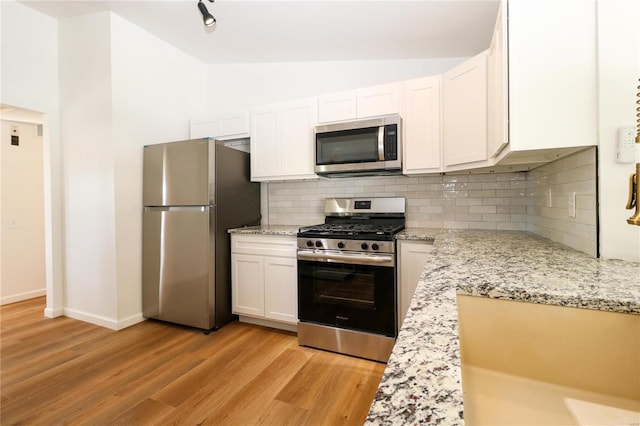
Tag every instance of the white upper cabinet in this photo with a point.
(465, 113)
(337, 106)
(282, 141)
(227, 126)
(378, 100)
(552, 85)
(366, 102)
(498, 130)
(421, 125)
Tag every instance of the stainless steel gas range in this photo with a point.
(347, 293)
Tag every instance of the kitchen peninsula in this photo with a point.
(422, 382)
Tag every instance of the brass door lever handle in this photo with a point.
(631, 202)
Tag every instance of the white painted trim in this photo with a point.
(22, 296)
(103, 321)
(52, 313)
(131, 320)
(269, 323)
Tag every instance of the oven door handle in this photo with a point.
(378, 259)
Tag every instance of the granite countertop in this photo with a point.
(288, 230)
(422, 381)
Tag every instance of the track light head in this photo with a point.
(208, 19)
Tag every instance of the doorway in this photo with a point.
(22, 206)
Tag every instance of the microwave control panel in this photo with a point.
(391, 142)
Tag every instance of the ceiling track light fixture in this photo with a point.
(208, 18)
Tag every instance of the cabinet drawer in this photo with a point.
(266, 245)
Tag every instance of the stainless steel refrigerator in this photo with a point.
(193, 192)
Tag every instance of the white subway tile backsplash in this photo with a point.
(484, 209)
(575, 173)
(503, 201)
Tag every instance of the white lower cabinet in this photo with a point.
(264, 279)
(412, 258)
(281, 289)
(247, 280)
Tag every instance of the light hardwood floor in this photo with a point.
(63, 371)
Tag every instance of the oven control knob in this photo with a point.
(341, 245)
(364, 246)
(318, 244)
(375, 246)
(309, 243)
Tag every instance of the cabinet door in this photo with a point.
(379, 100)
(421, 126)
(265, 148)
(297, 122)
(227, 126)
(233, 126)
(412, 260)
(337, 107)
(247, 284)
(202, 128)
(281, 289)
(553, 74)
(498, 134)
(465, 112)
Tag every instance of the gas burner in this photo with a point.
(376, 219)
(365, 231)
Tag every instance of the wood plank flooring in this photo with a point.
(63, 371)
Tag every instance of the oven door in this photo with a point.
(348, 295)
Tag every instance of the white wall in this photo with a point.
(29, 79)
(155, 88)
(22, 207)
(121, 88)
(87, 135)
(238, 87)
(619, 71)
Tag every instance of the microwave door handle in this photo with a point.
(381, 143)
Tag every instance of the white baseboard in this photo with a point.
(103, 321)
(131, 320)
(269, 323)
(22, 296)
(53, 313)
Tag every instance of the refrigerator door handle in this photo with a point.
(177, 208)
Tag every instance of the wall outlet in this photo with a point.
(572, 204)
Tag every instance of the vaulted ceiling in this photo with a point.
(301, 30)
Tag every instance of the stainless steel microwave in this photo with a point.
(359, 147)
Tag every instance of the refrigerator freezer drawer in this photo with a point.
(177, 269)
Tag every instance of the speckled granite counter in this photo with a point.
(421, 384)
(289, 230)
